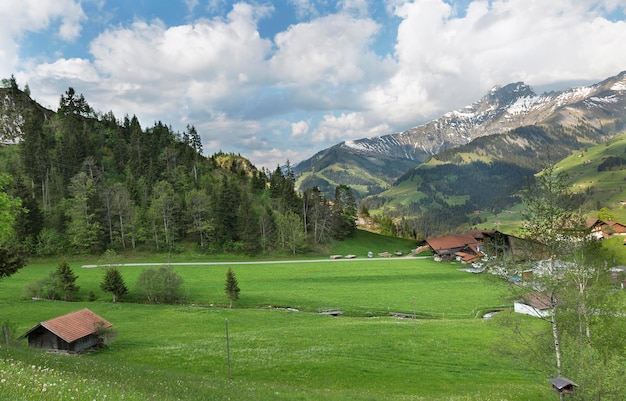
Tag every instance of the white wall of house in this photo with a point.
(519, 307)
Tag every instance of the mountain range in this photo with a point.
(435, 177)
(372, 165)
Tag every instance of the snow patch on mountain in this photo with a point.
(574, 95)
(523, 105)
(353, 145)
(619, 86)
(387, 144)
(502, 109)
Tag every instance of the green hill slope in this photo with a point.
(365, 175)
(471, 184)
(588, 175)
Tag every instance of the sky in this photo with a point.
(281, 80)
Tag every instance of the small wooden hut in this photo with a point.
(563, 385)
(74, 332)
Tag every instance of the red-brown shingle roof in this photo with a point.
(616, 226)
(451, 242)
(538, 300)
(75, 325)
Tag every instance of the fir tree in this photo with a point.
(232, 287)
(65, 281)
(114, 283)
(10, 262)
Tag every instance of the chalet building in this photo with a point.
(534, 304)
(601, 229)
(463, 247)
(474, 245)
(74, 332)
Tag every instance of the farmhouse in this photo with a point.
(462, 246)
(534, 304)
(74, 332)
(474, 245)
(601, 229)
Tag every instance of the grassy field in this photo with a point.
(178, 352)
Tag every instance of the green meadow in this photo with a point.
(281, 348)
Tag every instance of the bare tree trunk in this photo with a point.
(108, 207)
(165, 226)
(583, 311)
(557, 344)
(305, 212)
(122, 231)
(156, 235)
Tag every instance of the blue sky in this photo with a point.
(281, 80)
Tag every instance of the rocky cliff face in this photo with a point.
(15, 105)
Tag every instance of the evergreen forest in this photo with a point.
(88, 181)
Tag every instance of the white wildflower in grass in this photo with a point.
(21, 381)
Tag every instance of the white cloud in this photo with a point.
(304, 8)
(334, 129)
(445, 61)
(176, 73)
(331, 49)
(208, 50)
(271, 158)
(22, 16)
(71, 69)
(318, 81)
(35, 15)
(299, 128)
(71, 16)
(191, 4)
(359, 7)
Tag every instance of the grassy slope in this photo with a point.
(606, 189)
(351, 285)
(348, 172)
(171, 353)
(178, 352)
(363, 242)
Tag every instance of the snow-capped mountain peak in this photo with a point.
(502, 109)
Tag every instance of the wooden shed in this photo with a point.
(563, 385)
(74, 332)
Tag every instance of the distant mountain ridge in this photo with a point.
(502, 109)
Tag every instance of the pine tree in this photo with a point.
(114, 283)
(10, 262)
(65, 281)
(232, 287)
(344, 212)
(30, 220)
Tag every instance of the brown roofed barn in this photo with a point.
(74, 332)
(447, 247)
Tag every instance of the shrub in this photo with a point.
(161, 285)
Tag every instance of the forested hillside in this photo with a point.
(89, 181)
(449, 192)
